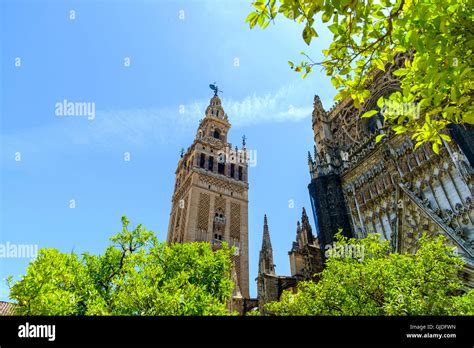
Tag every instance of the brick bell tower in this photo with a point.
(210, 199)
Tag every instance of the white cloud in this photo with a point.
(279, 106)
(146, 127)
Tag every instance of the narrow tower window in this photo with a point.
(202, 160)
(221, 168)
(211, 163)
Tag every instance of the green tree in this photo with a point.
(382, 282)
(136, 275)
(436, 36)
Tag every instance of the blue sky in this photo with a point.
(172, 62)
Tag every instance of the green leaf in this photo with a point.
(445, 137)
(250, 16)
(307, 35)
(368, 114)
(334, 28)
(400, 72)
(379, 64)
(259, 5)
(399, 129)
(326, 16)
(380, 102)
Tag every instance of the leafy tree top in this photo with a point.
(382, 283)
(136, 275)
(435, 36)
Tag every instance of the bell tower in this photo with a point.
(210, 199)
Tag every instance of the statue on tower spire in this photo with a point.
(215, 88)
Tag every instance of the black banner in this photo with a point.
(291, 331)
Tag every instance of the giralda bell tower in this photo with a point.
(210, 199)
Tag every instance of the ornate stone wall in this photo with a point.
(329, 208)
(388, 187)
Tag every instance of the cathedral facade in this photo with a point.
(389, 188)
(210, 199)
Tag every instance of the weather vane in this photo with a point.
(215, 89)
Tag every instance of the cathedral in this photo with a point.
(356, 185)
(210, 199)
(389, 188)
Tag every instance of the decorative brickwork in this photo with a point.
(208, 203)
(220, 204)
(203, 211)
(235, 221)
(182, 227)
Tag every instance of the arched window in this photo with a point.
(217, 134)
(202, 160)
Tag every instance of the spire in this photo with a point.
(215, 109)
(303, 214)
(310, 164)
(306, 228)
(266, 243)
(318, 111)
(215, 105)
(215, 124)
(266, 253)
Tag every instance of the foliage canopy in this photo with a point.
(436, 37)
(383, 283)
(136, 275)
